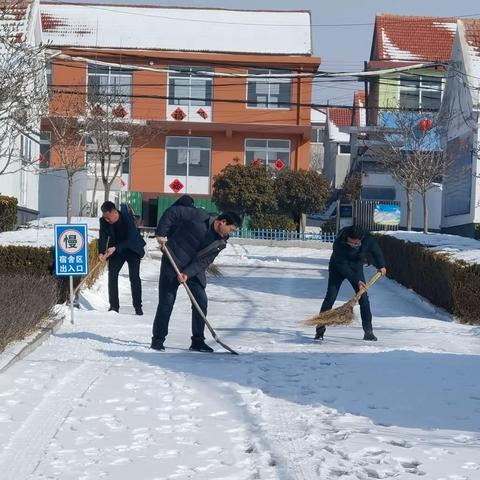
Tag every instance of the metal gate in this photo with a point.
(363, 214)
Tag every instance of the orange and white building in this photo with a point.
(221, 85)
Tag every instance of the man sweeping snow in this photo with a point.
(194, 240)
(349, 254)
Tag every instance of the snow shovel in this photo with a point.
(195, 303)
(342, 315)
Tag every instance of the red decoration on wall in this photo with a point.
(202, 113)
(178, 114)
(257, 162)
(176, 185)
(122, 183)
(41, 158)
(119, 111)
(425, 124)
(279, 164)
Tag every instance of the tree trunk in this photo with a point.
(409, 192)
(425, 212)
(69, 196)
(92, 202)
(106, 189)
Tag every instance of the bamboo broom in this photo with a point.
(342, 315)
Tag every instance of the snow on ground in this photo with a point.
(459, 248)
(40, 233)
(95, 402)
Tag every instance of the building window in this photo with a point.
(188, 156)
(45, 147)
(419, 92)
(344, 148)
(378, 193)
(318, 134)
(187, 86)
(267, 92)
(110, 87)
(267, 151)
(112, 156)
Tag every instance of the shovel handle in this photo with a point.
(369, 284)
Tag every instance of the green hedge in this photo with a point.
(40, 261)
(447, 283)
(273, 221)
(8, 213)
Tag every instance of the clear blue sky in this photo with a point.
(341, 48)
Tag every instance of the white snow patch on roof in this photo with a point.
(452, 26)
(180, 29)
(336, 135)
(394, 52)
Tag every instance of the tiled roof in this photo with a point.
(472, 33)
(398, 37)
(472, 40)
(341, 117)
(178, 29)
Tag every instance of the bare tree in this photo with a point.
(113, 137)
(23, 93)
(410, 150)
(68, 125)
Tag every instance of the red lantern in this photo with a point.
(425, 124)
(257, 163)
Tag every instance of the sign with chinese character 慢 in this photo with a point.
(71, 250)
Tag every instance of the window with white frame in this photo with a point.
(110, 87)
(112, 156)
(265, 92)
(45, 147)
(344, 148)
(188, 156)
(420, 92)
(188, 87)
(267, 151)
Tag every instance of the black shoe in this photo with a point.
(370, 336)
(320, 331)
(138, 311)
(113, 309)
(200, 346)
(157, 345)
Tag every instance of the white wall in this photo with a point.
(53, 193)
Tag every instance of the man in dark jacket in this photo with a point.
(194, 240)
(125, 244)
(350, 251)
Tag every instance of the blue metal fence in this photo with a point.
(268, 234)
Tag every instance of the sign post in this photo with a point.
(71, 254)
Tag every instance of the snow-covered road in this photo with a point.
(95, 402)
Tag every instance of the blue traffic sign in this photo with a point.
(71, 250)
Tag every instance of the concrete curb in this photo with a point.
(20, 350)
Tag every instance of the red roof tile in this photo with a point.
(341, 117)
(472, 33)
(398, 37)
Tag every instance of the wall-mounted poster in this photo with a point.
(386, 214)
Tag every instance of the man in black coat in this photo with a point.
(350, 251)
(125, 244)
(194, 240)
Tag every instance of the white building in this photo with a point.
(18, 180)
(461, 195)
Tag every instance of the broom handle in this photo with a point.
(84, 279)
(369, 284)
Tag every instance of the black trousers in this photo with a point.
(167, 293)
(115, 264)
(335, 280)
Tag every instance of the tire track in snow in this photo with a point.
(25, 450)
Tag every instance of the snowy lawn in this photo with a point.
(95, 402)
